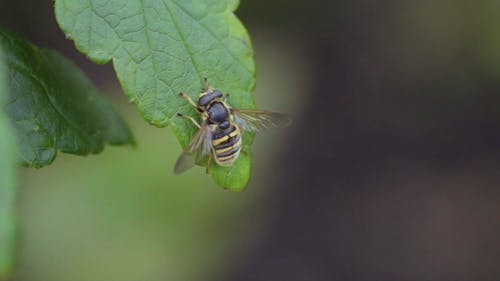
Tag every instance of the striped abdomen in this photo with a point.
(227, 145)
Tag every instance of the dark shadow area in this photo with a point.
(392, 172)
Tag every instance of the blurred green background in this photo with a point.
(390, 171)
(124, 215)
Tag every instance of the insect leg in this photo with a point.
(205, 87)
(226, 97)
(191, 101)
(209, 161)
(189, 118)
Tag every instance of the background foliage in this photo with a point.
(53, 106)
(8, 181)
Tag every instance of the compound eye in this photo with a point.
(204, 100)
(224, 125)
(217, 94)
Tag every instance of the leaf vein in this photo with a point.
(218, 40)
(183, 39)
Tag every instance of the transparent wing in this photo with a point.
(198, 148)
(259, 120)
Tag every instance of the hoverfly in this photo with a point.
(220, 132)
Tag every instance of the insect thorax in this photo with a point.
(217, 112)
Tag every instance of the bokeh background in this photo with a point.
(391, 170)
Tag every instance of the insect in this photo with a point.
(219, 135)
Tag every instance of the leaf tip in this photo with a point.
(235, 177)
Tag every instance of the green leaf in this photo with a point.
(233, 4)
(53, 106)
(162, 47)
(7, 182)
(235, 177)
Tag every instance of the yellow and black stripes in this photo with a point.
(227, 145)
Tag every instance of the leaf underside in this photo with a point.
(162, 47)
(53, 106)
